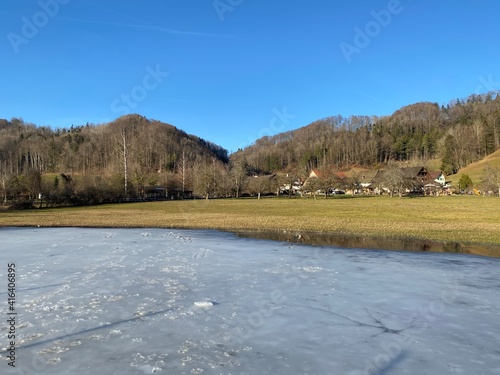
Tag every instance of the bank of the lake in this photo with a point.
(464, 223)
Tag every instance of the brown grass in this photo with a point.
(466, 219)
(476, 171)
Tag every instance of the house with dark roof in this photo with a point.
(416, 178)
(418, 175)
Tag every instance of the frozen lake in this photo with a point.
(145, 301)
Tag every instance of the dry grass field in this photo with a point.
(476, 171)
(463, 219)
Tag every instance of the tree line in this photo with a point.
(92, 164)
(463, 131)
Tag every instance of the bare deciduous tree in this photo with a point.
(239, 172)
(492, 178)
(395, 180)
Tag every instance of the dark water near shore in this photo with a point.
(379, 243)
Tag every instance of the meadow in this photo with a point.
(460, 219)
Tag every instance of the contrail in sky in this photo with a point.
(147, 27)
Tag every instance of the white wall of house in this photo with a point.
(441, 179)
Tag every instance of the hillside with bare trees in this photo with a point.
(459, 133)
(100, 163)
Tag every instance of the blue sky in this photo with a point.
(231, 71)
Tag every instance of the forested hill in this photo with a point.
(150, 146)
(105, 163)
(461, 132)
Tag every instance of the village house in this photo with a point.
(366, 180)
(439, 178)
(437, 183)
(418, 175)
(296, 185)
(315, 173)
(416, 179)
(335, 176)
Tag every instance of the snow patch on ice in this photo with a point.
(313, 269)
(148, 369)
(203, 304)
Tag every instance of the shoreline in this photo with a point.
(408, 244)
(319, 238)
(468, 225)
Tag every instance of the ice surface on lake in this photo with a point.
(146, 301)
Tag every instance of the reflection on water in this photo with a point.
(384, 243)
